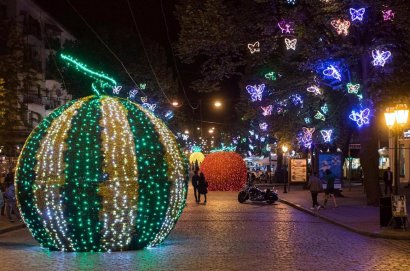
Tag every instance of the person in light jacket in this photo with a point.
(315, 186)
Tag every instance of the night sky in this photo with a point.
(151, 23)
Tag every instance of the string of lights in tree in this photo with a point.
(229, 148)
(101, 174)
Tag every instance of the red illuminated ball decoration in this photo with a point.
(224, 171)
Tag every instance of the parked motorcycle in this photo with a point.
(252, 193)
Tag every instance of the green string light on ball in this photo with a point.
(101, 174)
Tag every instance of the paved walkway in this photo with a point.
(352, 212)
(6, 225)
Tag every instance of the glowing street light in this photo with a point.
(211, 131)
(284, 148)
(186, 132)
(218, 104)
(175, 103)
(396, 117)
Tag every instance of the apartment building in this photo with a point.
(41, 35)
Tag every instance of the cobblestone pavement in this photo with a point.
(226, 235)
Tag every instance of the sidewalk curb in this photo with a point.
(365, 233)
(12, 228)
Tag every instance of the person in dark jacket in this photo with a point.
(330, 187)
(202, 187)
(195, 181)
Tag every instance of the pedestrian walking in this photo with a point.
(195, 182)
(202, 187)
(330, 187)
(315, 186)
(388, 181)
(10, 196)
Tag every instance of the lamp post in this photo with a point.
(396, 117)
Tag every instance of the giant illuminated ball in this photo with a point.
(101, 174)
(196, 156)
(224, 171)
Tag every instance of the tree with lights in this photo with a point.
(17, 77)
(339, 56)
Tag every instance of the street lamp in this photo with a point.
(284, 148)
(396, 118)
(217, 104)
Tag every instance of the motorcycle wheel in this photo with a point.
(242, 196)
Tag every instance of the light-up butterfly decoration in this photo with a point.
(380, 57)
(341, 26)
(388, 15)
(270, 76)
(361, 117)
(285, 27)
(325, 108)
(357, 14)
(144, 99)
(169, 115)
(290, 44)
(308, 120)
(332, 71)
(116, 89)
(254, 48)
(267, 110)
(256, 91)
(150, 106)
(307, 137)
(353, 88)
(263, 126)
(142, 86)
(291, 2)
(185, 137)
(315, 90)
(132, 93)
(327, 135)
(296, 99)
(319, 116)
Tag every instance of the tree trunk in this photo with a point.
(369, 158)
